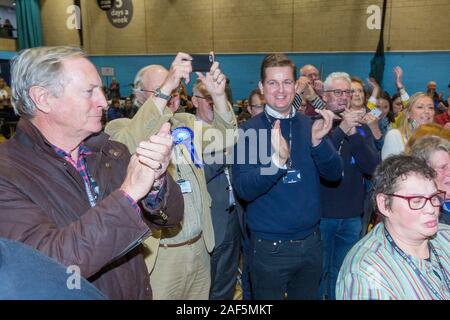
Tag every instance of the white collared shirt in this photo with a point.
(273, 113)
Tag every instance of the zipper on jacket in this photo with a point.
(133, 245)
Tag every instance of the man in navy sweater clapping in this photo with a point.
(279, 160)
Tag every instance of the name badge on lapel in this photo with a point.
(185, 186)
(292, 176)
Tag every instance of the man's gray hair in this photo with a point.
(41, 66)
(138, 85)
(426, 146)
(307, 66)
(328, 84)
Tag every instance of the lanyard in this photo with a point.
(92, 188)
(414, 267)
(291, 115)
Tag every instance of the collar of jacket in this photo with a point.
(30, 136)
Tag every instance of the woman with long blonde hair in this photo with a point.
(420, 111)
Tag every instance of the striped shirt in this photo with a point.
(373, 270)
(317, 102)
(90, 185)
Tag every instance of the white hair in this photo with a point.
(327, 85)
(41, 66)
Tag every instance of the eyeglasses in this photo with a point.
(175, 92)
(418, 202)
(207, 98)
(256, 106)
(312, 76)
(339, 92)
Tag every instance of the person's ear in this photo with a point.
(260, 86)
(194, 101)
(382, 204)
(41, 98)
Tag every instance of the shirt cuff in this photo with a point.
(156, 196)
(403, 94)
(372, 103)
(276, 163)
(318, 103)
(132, 202)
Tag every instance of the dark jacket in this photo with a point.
(345, 198)
(275, 210)
(222, 213)
(43, 203)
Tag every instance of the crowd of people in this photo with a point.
(314, 190)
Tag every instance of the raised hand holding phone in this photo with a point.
(202, 62)
(215, 82)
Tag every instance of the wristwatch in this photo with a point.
(161, 95)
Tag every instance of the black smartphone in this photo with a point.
(318, 116)
(202, 62)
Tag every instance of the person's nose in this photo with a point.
(100, 99)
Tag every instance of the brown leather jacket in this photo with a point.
(43, 203)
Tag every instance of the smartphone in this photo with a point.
(318, 116)
(202, 62)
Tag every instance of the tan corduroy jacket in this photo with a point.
(147, 121)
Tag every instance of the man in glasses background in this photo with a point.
(406, 256)
(309, 91)
(148, 80)
(343, 201)
(226, 213)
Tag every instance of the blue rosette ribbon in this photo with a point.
(185, 136)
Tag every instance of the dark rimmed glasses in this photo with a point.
(175, 92)
(207, 98)
(339, 92)
(418, 202)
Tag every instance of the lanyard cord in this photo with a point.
(414, 267)
(291, 116)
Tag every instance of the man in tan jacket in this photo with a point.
(182, 266)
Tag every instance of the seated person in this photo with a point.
(436, 152)
(405, 256)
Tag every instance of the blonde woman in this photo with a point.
(420, 111)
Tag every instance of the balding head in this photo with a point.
(310, 71)
(431, 85)
(149, 79)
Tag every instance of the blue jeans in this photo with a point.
(338, 237)
(280, 267)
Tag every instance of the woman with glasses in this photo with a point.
(256, 103)
(436, 152)
(359, 101)
(420, 111)
(405, 256)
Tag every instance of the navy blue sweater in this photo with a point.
(345, 198)
(276, 210)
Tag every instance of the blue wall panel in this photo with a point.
(243, 69)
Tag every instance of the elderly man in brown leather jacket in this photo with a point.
(68, 191)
